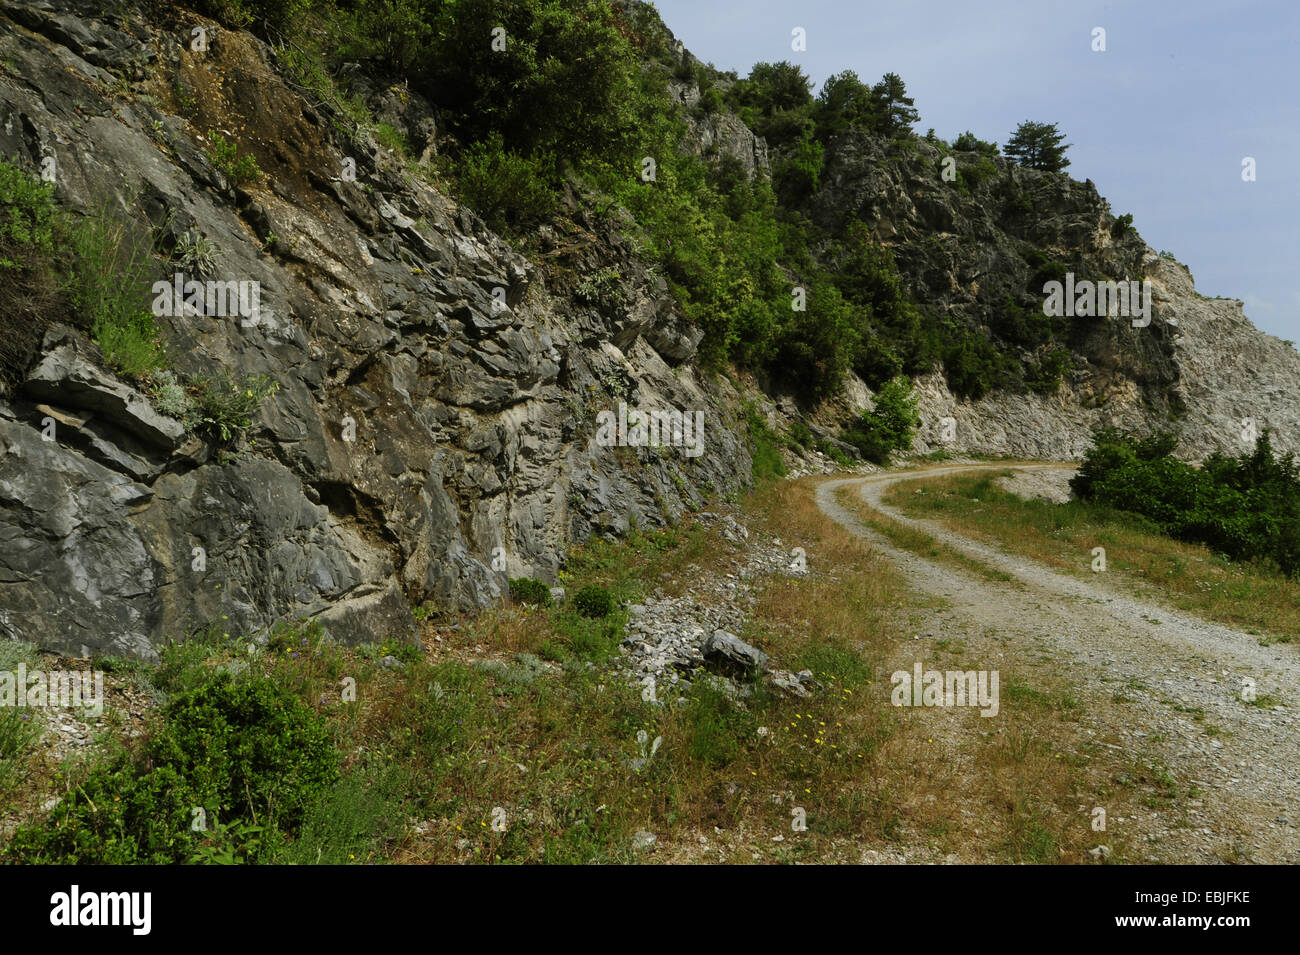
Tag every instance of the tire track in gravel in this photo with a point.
(1169, 666)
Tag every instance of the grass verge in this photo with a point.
(1189, 577)
(510, 740)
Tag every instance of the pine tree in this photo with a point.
(844, 102)
(1038, 146)
(894, 108)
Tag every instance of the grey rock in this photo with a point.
(66, 377)
(729, 653)
(790, 683)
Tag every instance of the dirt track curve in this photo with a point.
(1167, 664)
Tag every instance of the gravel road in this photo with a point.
(1170, 667)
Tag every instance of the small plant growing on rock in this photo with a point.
(184, 98)
(225, 157)
(616, 385)
(195, 253)
(225, 407)
(528, 590)
(593, 601)
(604, 289)
(169, 396)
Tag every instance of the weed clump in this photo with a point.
(527, 590)
(594, 601)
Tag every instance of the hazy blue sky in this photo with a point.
(1160, 121)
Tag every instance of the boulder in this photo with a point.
(732, 656)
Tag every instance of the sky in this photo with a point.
(1161, 120)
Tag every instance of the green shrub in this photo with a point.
(594, 601)
(973, 365)
(711, 102)
(835, 454)
(1025, 327)
(969, 142)
(1111, 450)
(396, 33)
(1045, 375)
(225, 157)
(527, 590)
(978, 172)
(247, 753)
(817, 346)
(509, 191)
(888, 426)
(107, 283)
(1247, 507)
(797, 175)
(27, 217)
(30, 250)
(260, 752)
(764, 450)
(603, 288)
(567, 83)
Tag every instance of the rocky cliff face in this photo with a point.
(434, 431)
(1232, 381)
(1199, 367)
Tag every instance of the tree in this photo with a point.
(968, 142)
(776, 102)
(1038, 146)
(889, 425)
(816, 346)
(893, 107)
(798, 175)
(548, 75)
(774, 86)
(844, 102)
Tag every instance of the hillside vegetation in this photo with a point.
(544, 96)
(1245, 506)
